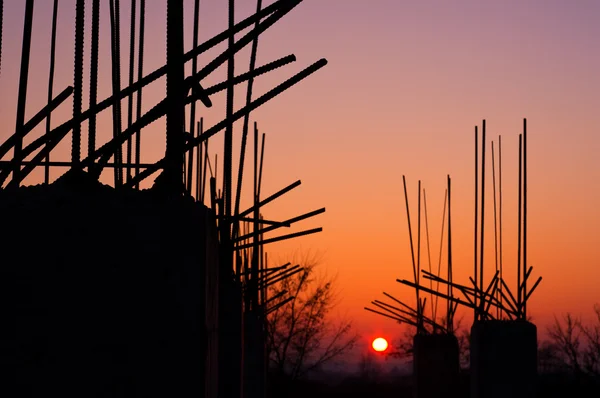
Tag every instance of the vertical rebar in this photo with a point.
(116, 85)
(255, 226)
(175, 95)
(439, 269)
(22, 98)
(524, 268)
(202, 194)
(198, 163)
(420, 313)
(520, 228)
(118, 53)
(51, 84)
(450, 310)
(495, 219)
(247, 116)
(428, 250)
(228, 147)
(130, 97)
(78, 81)
(500, 211)
(260, 166)
(475, 293)
(138, 144)
(193, 104)
(482, 208)
(94, 76)
(412, 250)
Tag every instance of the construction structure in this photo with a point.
(503, 346)
(121, 291)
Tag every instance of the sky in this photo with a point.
(405, 85)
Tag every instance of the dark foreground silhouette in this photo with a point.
(102, 292)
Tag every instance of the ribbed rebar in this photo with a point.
(130, 97)
(228, 142)
(175, 93)
(247, 117)
(94, 74)
(193, 105)
(78, 80)
(51, 85)
(138, 144)
(22, 98)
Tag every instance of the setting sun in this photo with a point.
(380, 344)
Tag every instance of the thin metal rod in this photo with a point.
(526, 295)
(78, 80)
(442, 295)
(278, 278)
(500, 210)
(54, 163)
(152, 115)
(129, 147)
(482, 205)
(512, 300)
(115, 58)
(271, 198)
(193, 104)
(428, 249)
(51, 82)
(280, 238)
(283, 223)
(526, 277)
(260, 167)
(251, 68)
(279, 305)
(32, 123)
(412, 250)
(206, 162)
(475, 266)
(495, 213)
(388, 316)
(519, 301)
(240, 113)
(281, 6)
(450, 313)
(228, 137)
(440, 251)
(533, 288)
(175, 97)
(399, 317)
(23, 78)
(255, 227)
(198, 164)
(419, 250)
(138, 144)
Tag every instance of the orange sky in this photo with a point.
(403, 90)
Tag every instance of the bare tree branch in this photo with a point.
(301, 334)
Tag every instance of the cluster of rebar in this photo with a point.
(494, 301)
(186, 164)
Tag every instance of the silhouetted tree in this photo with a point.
(573, 345)
(566, 339)
(302, 335)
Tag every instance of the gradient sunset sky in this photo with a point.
(405, 85)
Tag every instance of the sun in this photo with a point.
(380, 344)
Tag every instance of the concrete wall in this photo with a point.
(503, 359)
(104, 292)
(435, 365)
